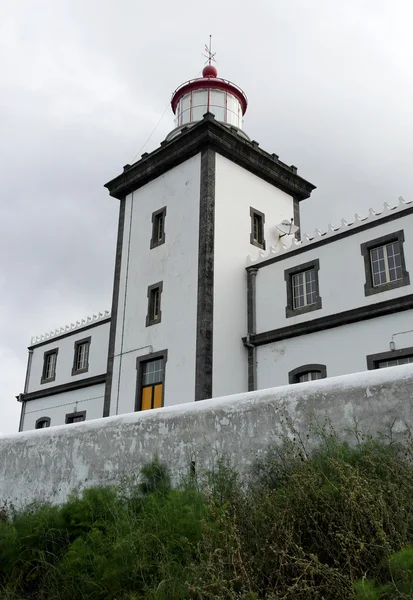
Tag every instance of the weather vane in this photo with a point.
(210, 55)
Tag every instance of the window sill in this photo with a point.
(295, 312)
(370, 290)
(80, 371)
(50, 380)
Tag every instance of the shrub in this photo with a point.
(335, 524)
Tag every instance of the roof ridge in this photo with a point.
(72, 327)
(331, 231)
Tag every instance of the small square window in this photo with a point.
(49, 366)
(81, 356)
(302, 288)
(384, 263)
(76, 417)
(154, 304)
(257, 228)
(307, 373)
(158, 227)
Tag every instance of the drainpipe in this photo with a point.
(251, 328)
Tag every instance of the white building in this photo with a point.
(188, 320)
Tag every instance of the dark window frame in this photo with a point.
(151, 289)
(373, 359)
(303, 369)
(367, 247)
(80, 413)
(290, 311)
(254, 212)
(140, 361)
(155, 215)
(77, 343)
(42, 420)
(45, 355)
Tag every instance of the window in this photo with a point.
(307, 373)
(257, 228)
(151, 380)
(81, 356)
(42, 423)
(154, 304)
(76, 417)
(302, 288)
(390, 359)
(49, 366)
(158, 227)
(384, 263)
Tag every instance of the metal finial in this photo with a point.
(210, 56)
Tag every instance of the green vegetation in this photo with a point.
(334, 525)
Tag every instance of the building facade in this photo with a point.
(188, 320)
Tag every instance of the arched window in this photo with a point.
(307, 373)
(42, 422)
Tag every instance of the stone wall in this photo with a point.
(46, 465)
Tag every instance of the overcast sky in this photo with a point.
(84, 82)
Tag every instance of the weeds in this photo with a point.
(334, 524)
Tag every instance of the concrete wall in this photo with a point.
(236, 190)
(56, 407)
(175, 263)
(342, 349)
(47, 464)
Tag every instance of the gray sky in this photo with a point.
(84, 82)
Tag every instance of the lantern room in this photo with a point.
(209, 93)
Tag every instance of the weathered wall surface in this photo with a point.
(47, 464)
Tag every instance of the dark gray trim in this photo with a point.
(41, 420)
(154, 242)
(367, 247)
(290, 311)
(296, 373)
(297, 217)
(151, 288)
(355, 315)
(48, 353)
(373, 359)
(209, 133)
(22, 413)
(251, 324)
(114, 313)
(69, 333)
(80, 413)
(205, 302)
(64, 387)
(254, 212)
(28, 370)
(334, 238)
(77, 343)
(139, 362)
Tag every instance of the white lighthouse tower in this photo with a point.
(190, 214)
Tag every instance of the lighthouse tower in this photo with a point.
(190, 213)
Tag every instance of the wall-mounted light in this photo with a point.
(392, 345)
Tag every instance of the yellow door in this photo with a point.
(157, 395)
(147, 398)
(151, 396)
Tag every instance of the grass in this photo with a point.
(335, 524)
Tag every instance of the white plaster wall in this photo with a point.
(342, 349)
(341, 277)
(176, 264)
(98, 355)
(236, 190)
(46, 465)
(56, 407)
